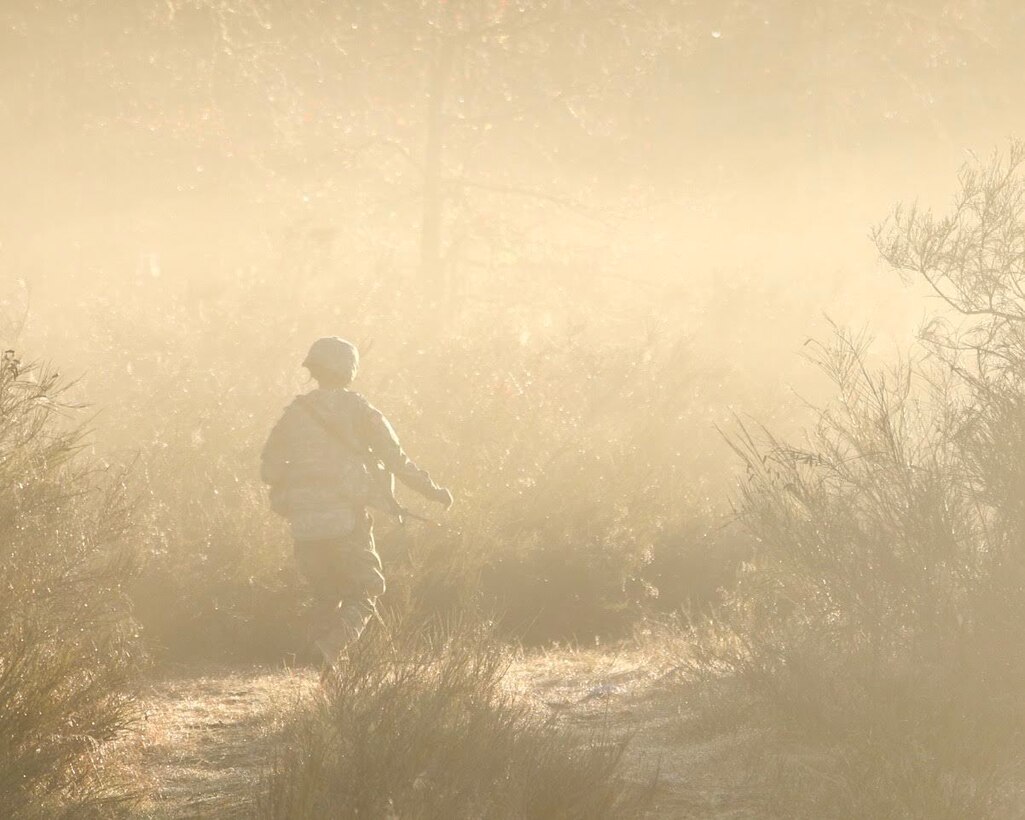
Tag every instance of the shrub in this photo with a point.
(574, 466)
(67, 651)
(417, 725)
(878, 637)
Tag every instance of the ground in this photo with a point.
(631, 694)
(208, 731)
(206, 736)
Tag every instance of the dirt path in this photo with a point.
(630, 695)
(209, 732)
(207, 737)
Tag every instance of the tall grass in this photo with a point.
(67, 646)
(417, 725)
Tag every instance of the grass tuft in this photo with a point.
(418, 725)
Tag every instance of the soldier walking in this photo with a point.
(330, 457)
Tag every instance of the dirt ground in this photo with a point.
(207, 734)
(208, 731)
(629, 694)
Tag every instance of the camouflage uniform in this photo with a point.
(314, 462)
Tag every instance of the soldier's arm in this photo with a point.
(380, 436)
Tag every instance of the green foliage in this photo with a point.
(418, 725)
(67, 647)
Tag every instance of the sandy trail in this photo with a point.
(209, 732)
(630, 695)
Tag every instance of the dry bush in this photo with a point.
(418, 726)
(572, 463)
(878, 638)
(67, 651)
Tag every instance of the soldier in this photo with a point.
(330, 457)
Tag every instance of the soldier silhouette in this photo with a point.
(330, 458)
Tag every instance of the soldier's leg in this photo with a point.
(364, 584)
(319, 563)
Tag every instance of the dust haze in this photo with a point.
(707, 314)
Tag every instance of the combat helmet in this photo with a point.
(333, 355)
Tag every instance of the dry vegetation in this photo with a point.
(476, 193)
(876, 639)
(68, 652)
(544, 421)
(418, 725)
